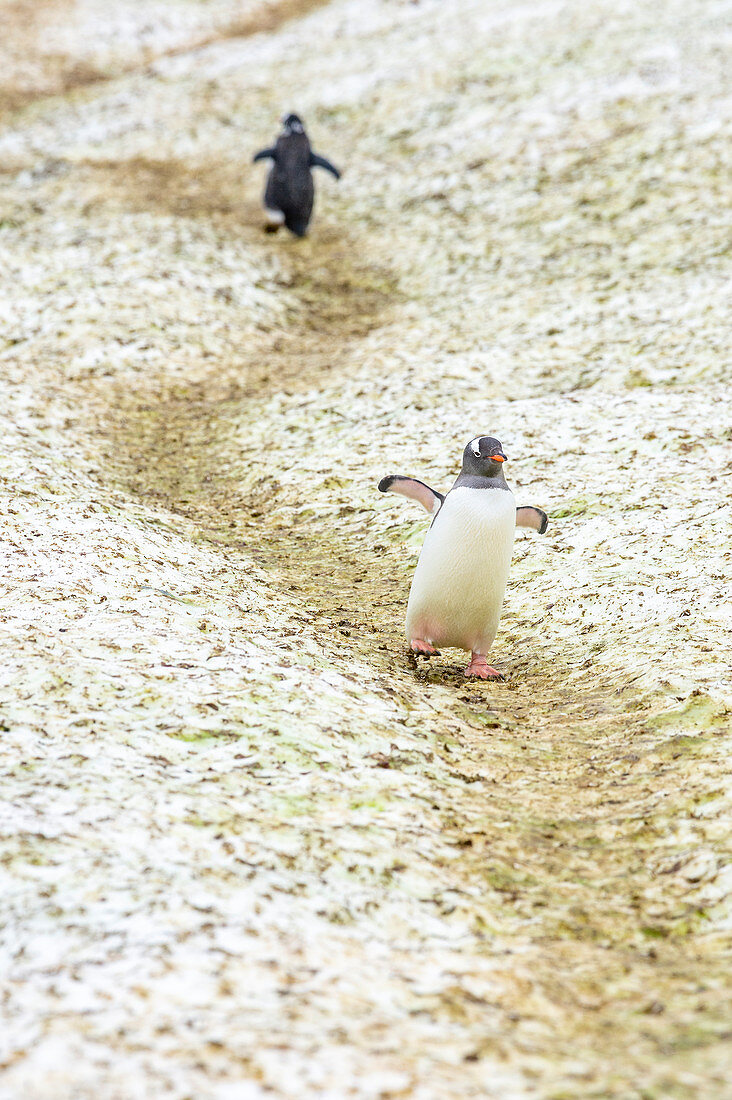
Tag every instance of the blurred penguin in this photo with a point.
(288, 196)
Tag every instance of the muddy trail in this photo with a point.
(568, 872)
(341, 867)
(51, 49)
(546, 786)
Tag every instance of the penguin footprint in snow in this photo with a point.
(289, 194)
(460, 580)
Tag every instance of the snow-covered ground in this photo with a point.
(249, 848)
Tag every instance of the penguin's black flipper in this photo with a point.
(264, 154)
(529, 516)
(430, 499)
(321, 162)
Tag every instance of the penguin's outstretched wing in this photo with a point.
(532, 517)
(430, 499)
(321, 162)
(264, 154)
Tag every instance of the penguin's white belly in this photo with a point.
(460, 580)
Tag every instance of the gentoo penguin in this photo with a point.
(288, 196)
(460, 580)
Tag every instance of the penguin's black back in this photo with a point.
(290, 182)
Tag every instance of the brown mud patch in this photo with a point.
(27, 26)
(212, 190)
(337, 293)
(268, 18)
(34, 68)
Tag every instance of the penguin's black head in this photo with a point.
(291, 124)
(484, 457)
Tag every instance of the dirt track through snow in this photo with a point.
(252, 848)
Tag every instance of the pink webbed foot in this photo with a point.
(481, 670)
(418, 645)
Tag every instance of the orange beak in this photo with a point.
(498, 458)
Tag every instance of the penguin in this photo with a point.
(460, 580)
(288, 196)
